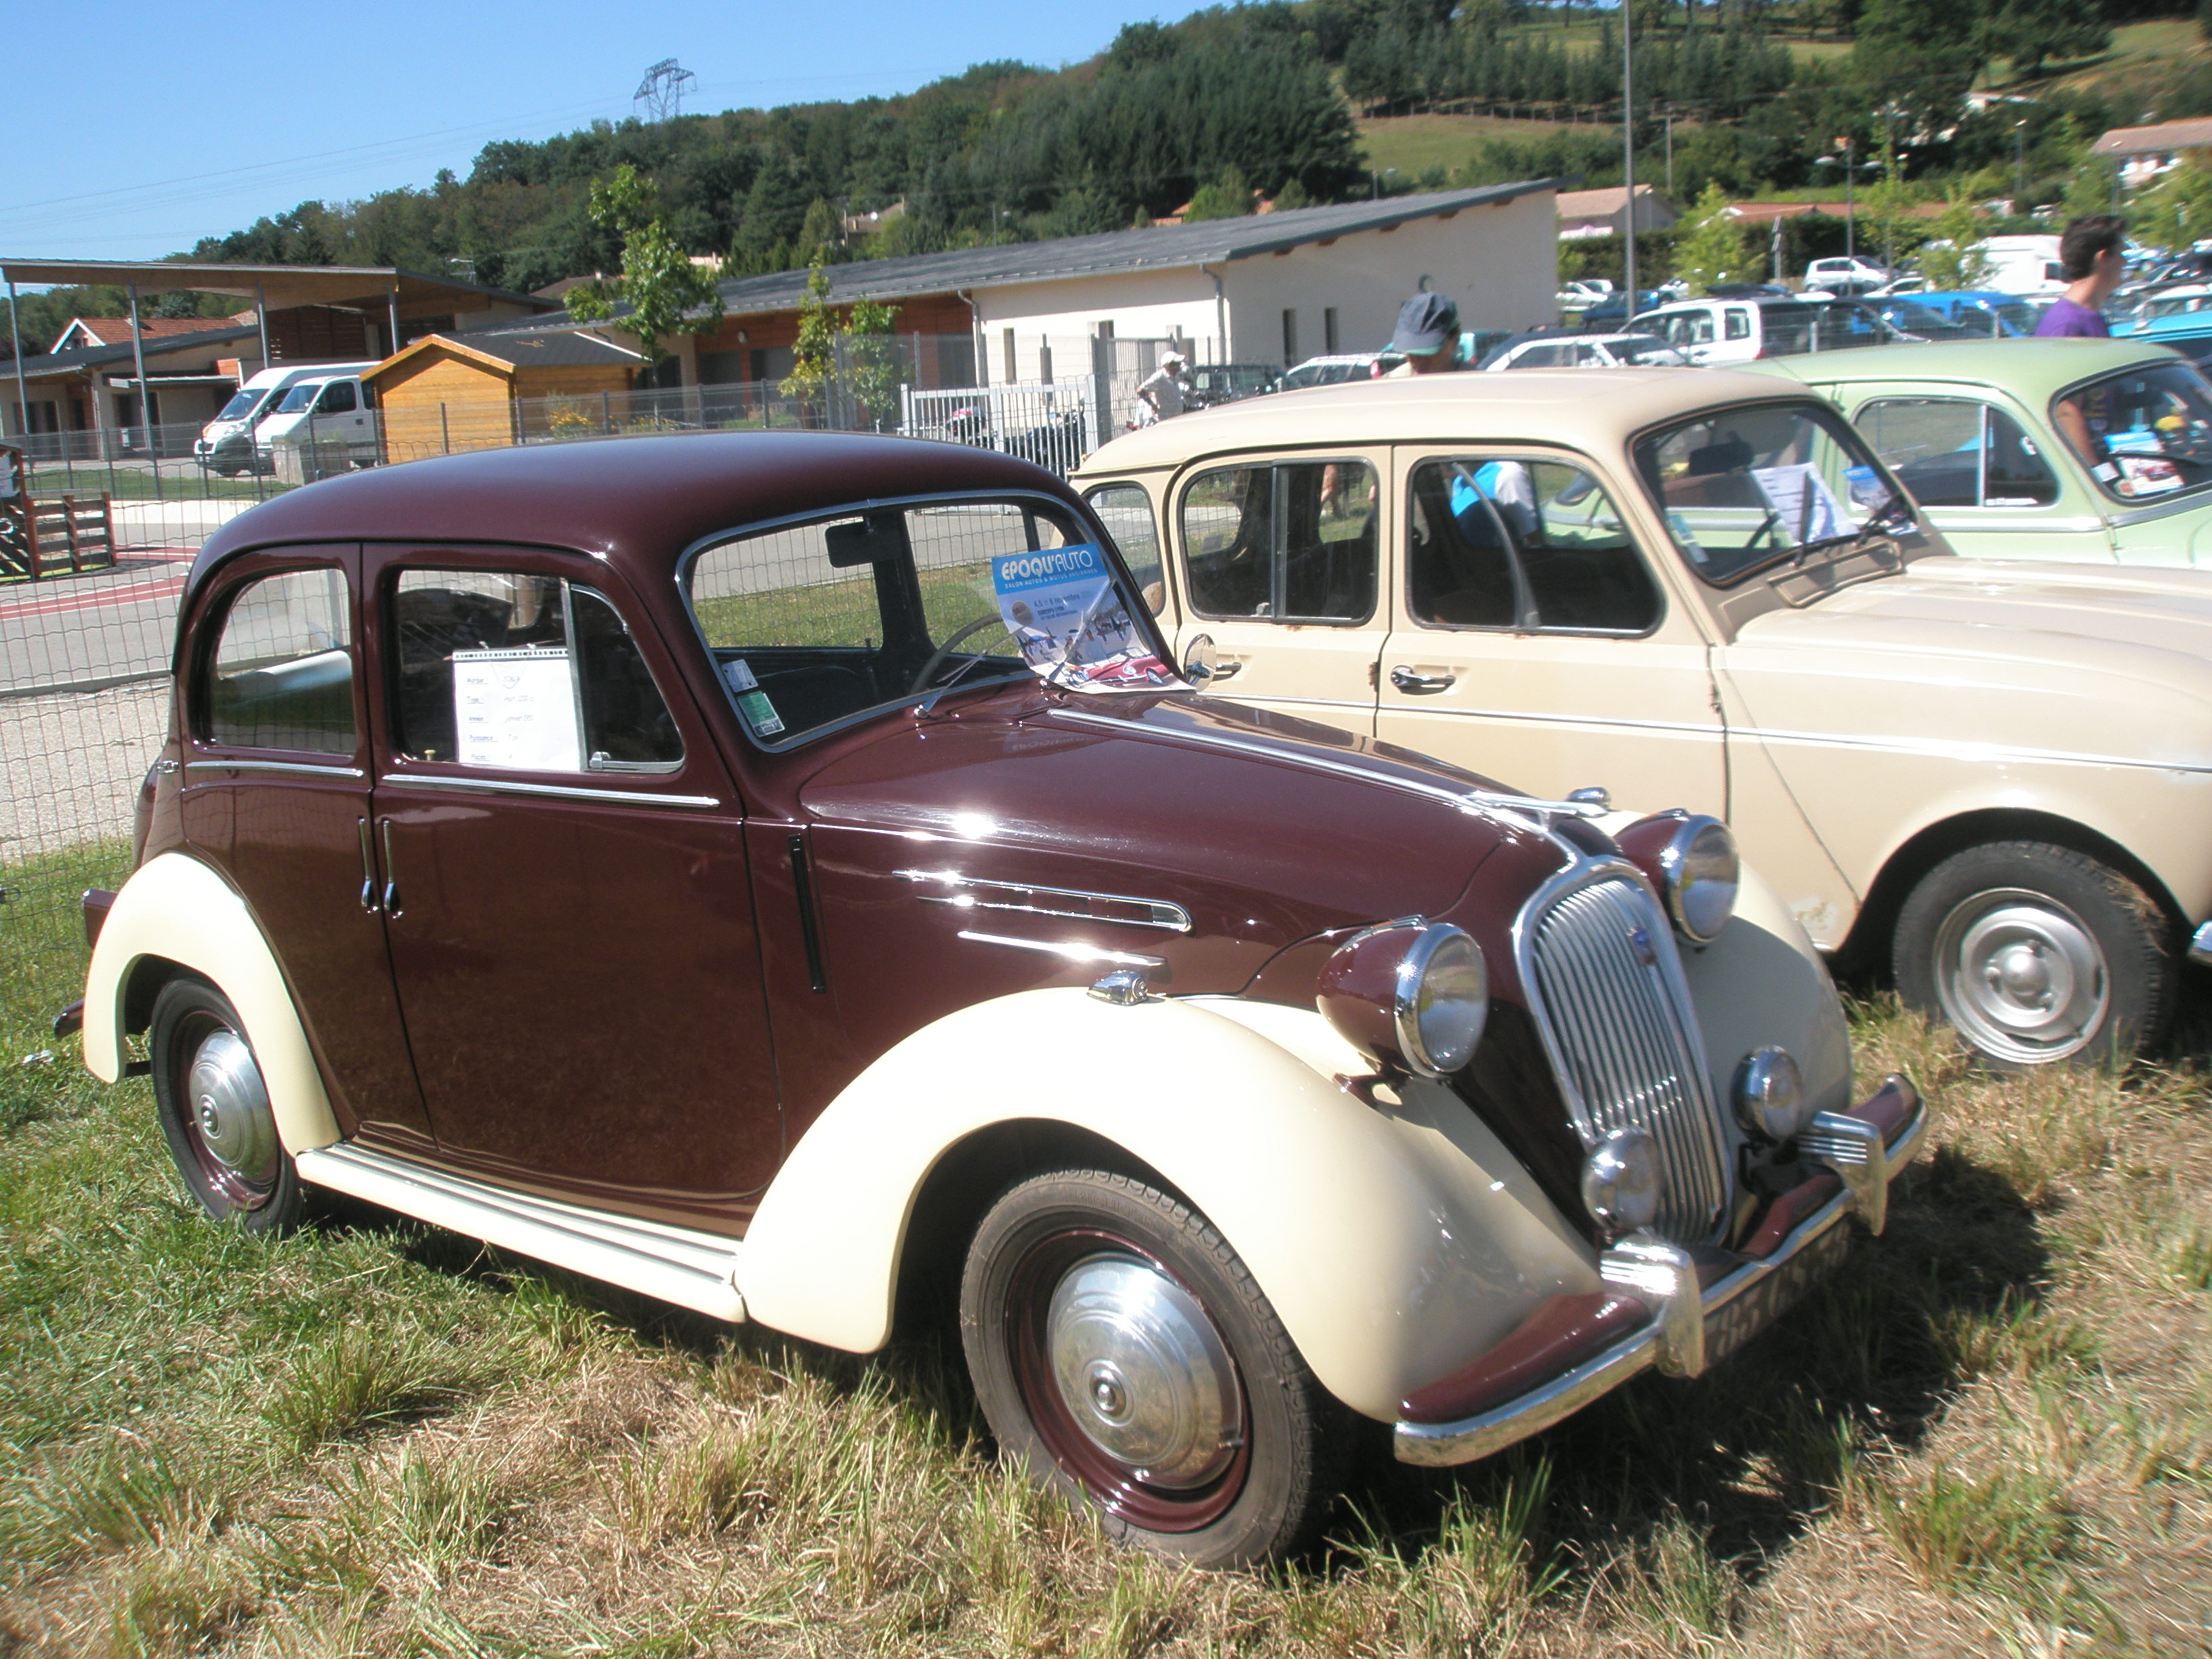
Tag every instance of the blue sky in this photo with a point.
(131, 131)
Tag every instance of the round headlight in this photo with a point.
(1770, 1095)
(1443, 998)
(1620, 1181)
(1699, 871)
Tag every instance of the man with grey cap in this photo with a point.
(1428, 333)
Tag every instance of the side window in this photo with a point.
(1739, 323)
(1293, 542)
(523, 672)
(1536, 546)
(337, 398)
(1701, 328)
(1127, 512)
(1950, 452)
(282, 674)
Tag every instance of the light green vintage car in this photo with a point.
(2087, 451)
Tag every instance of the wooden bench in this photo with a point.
(37, 534)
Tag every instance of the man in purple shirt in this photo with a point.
(2091, 256)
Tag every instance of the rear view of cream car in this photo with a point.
(1706, 589)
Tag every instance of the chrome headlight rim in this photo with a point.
(1420, 1055)
(1688, 910)
(1621, 1181)
(1768, 1095)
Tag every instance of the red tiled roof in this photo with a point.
(116, 330)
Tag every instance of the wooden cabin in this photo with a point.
(440, 396)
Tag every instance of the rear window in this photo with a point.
(2145, 433)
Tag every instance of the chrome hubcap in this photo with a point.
(1143, 1372)
(230, 1108)
(2021, 975)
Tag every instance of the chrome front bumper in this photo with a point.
(1696, 1307)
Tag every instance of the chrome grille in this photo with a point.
(1595, 958)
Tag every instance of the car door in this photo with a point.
(1532, 640)
(276, 795)
(571, 927)
(1994, 490)
(1277, 564)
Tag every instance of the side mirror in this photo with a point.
(1199, 659)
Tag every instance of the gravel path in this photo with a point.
(70, 765)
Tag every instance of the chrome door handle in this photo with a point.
(1407, 680)
(368, 869)
(391, 870)
(1230, 669)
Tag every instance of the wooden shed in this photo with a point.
(442, 396)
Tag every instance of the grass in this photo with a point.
(1994, 1433)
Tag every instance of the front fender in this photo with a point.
(1397, 1242)
(176, 909)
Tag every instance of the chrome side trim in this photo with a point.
(1068, 949)
(297, 769)
(1661, 1342)
(2200, 945)
(693, 1270)
(1969, 519)
(553, 791)
(1467, 800)
(1161, 913)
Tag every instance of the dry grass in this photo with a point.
(1994, 1436)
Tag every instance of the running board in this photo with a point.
(693, 1270)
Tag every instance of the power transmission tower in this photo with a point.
(661, 91)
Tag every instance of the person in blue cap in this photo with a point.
(1428, 333)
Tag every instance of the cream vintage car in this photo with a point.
(1706, 588)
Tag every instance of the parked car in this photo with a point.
(328, 418)
(2023, 264)
(1713, 331)
(1977, 433)
(2189, 334)
(226, 444)
(1555, 349)
(1983, 312)
(1581, 292)
(1332, 371)
(762, 870)
(2184, 299)
(1224, 383)
(1847, 276)
(1990, 777)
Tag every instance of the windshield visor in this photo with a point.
(2144, 433)
(1745, 487)
(813, 625)
(299, 399)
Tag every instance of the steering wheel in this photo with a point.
(929, 671)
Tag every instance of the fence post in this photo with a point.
(1102, 389)
(606, 413)
(445, 429)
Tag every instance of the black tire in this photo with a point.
(221, 1131)
(2036, 954)
(1225, 1494)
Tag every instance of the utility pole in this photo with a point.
(1666, 114)
(1628, 157)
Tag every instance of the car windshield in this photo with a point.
(300, 398)
(243, 402)
(1742, 488)
(2144, 433)
(811, 625)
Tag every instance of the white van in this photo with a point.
(1709, 333)
(2024, 265)
(226, 444)
(327, 410)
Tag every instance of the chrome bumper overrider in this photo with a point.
(1685, 1322)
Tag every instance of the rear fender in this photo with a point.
(176, 909)
(1397, 1238)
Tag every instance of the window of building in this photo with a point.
(1329, 331)
(1290, 336)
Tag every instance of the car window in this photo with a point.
(281, 676)
(1533, 545)
(1741, 488)
(2145, 433)
(1951, 451)
(337, 399)
(1293, 542)
(1126, 510)
(518, 671)
(814, 624)
(1739, 323)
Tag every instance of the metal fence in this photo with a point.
(86, 629)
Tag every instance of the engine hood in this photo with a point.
(1974, 653)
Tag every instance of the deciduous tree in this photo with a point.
(665, 293)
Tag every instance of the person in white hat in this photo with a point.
(1163, 393)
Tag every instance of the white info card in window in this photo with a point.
(516, 709)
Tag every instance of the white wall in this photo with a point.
(1500, 263)
(1141, 304)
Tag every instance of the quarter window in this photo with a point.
(517, 672)
(282, 676)
(1292, 542)
(1531, 545)
(1127, 512)
(1949, 451)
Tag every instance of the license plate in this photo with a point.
(1731, 1326)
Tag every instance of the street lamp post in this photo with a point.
(1851, 207)
(1628, 158)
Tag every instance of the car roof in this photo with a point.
(1568, 407)
(2033, 369)
(634, 502)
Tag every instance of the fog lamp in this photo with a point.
(1770, 1095)
(1620, 1181)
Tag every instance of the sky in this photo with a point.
(143, 128)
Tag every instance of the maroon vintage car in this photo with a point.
(774, 870)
